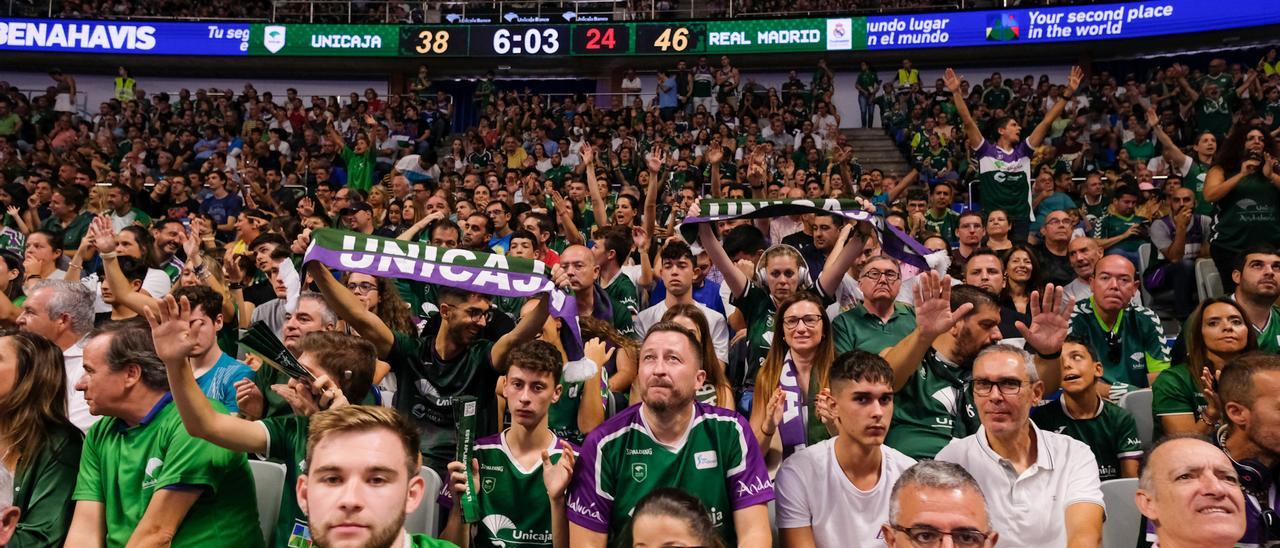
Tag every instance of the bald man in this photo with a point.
(1182, 237)
(1128, 336)
(578, 265)
(1191, 492)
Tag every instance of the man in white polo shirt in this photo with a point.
(1049, 492)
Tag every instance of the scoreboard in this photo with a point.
(991, 28)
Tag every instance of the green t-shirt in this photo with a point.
(1269, 336)
(73, 232)
(1112, 434)
(758, 310)
(1247, 215)
(929, 411)
(1112, 225)
(360, 168)
(428, 384)
(1140, 151)
(1175, 393)
(424, 541)
(997, 97)
(562, 417)
(1213, 115)
(1128, 350)
(513, 503)
(42, 489)
(626, 304)
(1097, 210)
(122, 467)
(287, 443)
(869, 79)
(945, 225)
(1194, 179)
(860, 329)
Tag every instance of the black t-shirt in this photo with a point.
(1054, 269)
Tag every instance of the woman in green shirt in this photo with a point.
(1245, 187)
(37, 440)
(1218, 332)
(867, 83)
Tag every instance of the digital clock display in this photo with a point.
(520, 40)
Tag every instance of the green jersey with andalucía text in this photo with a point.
(515, 510)
(1111, 433)
(1129, 350)
(1004, 179)
(718, 461)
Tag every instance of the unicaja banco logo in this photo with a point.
(273, 38)
(149, 478)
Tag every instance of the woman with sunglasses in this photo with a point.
(789, 415)
(1183, 399)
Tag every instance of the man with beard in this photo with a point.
(969, 233)
(817, 247)
(1129, 337)
(477, 232)
(456, 359)
(669, 440)
(1049, 486)
(361, 479)
(169, 234)
(1256, 290)
(1249, 388)
(932, 365)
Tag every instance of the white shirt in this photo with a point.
(77, 409)
(719, 327)
(1029, 509)
(813, 491)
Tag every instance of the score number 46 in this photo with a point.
(675, 39)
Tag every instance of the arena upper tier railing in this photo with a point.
(476, 11)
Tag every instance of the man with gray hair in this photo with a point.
(9, 514)
(143, 479)
(933, 499)
(1049, 486)
(62, 311)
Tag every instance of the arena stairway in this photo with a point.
(874, 149)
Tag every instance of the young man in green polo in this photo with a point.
(327, 355)
(143, 479)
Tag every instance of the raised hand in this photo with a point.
(1074, 79)
(100, 231)
(597, 351)
(1213, 408)
(458, 477)
(249, 400)
(934, 315)
(170, 322)
(640, 238)
(951, 81)
(329, 393)
(714, 154)
(299, 397)
(655, 159)
(231, 267)
(1050, 320)
(588, 154)
(1153, 119)
(773, 413)
(825, 405)
(556, 476)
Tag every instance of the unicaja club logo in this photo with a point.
(149, 479)
(273, 38)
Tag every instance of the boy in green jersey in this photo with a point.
(362, 477)
(510, 468)
(327, 355)
(143, 480)
(1084, 414)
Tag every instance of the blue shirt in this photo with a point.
(667, 98)
(501, 242)
(707, 294)
(219, 383)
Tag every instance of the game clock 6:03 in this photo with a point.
(520, 40)
(434, 41)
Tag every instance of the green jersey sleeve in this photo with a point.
(192, 461)
(89, 477)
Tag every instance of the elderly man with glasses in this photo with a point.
(879, 321)
(1128, 336)
(1050, 494)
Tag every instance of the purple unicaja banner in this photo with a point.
(478, 272)
(724, 210)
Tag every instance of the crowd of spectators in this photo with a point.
(796, 358)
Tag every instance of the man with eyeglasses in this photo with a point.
(879, 321)
(1190, 492)
(1052, 251)
(933, 500)
(1129, 336)
(932, 366)
(969, 233)
(1049, 486)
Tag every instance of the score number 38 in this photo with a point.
(436, 42)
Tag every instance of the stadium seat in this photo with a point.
(1208, 280)
(1144, 261)
(268, 481)
(1121, 530)
(1138, 404)
(425, 520)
